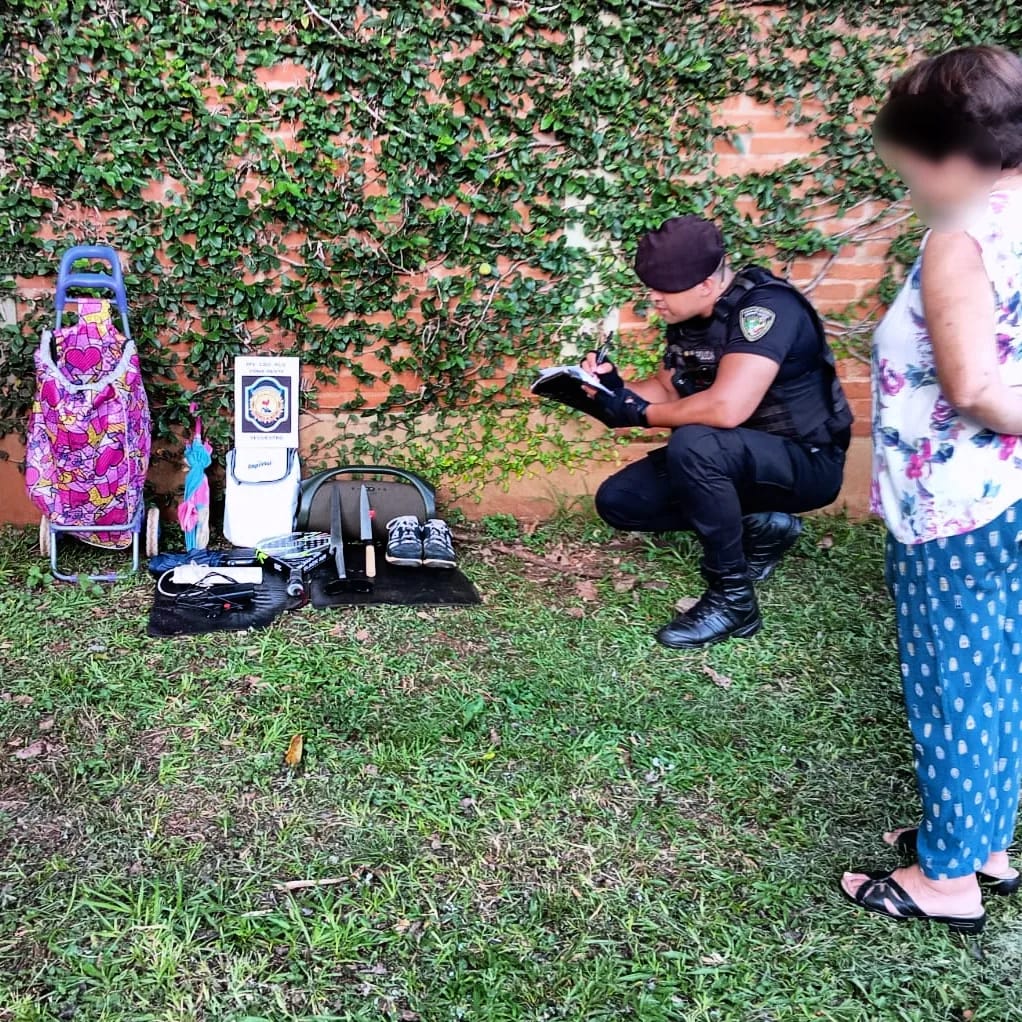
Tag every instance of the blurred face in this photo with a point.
(944, 193)
(678, 306)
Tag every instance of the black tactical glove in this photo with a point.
(622, 408)
(612, 379)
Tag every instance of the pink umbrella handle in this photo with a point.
(187, 515)
(193, 408)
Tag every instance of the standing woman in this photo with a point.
(947, 388)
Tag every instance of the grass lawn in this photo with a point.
(525, 811)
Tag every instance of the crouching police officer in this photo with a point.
(760, 423)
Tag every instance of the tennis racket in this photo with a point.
(296, 554)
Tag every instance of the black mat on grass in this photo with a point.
(169, 618)
(411, 587)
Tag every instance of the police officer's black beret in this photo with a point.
(679, 254)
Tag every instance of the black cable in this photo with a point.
(209, 597)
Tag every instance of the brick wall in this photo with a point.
(765, 138)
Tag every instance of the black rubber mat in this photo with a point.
(413, 587)
(170, 618)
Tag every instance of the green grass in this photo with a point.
(533, 812)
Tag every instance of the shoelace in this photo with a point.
(403, 529)
(437, 530)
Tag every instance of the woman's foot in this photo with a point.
(997, 870)
(908, 894)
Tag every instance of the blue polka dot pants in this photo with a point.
(959, 611)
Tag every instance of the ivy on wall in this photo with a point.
(443, 200)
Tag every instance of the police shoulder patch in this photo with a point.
(755, 322)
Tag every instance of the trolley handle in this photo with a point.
(112, 281)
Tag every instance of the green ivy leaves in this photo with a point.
(399, 213)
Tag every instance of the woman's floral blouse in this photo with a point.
(935, 472)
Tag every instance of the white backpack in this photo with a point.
(262, 493)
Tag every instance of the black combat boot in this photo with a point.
(768, 537)
(727, 610)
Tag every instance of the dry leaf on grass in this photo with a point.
(295, 748)
(555, 561)
(250, 684)
(826, 542)
(17, 700)
(576, 612)
(46, 724)
(587, 590)
(685, 604)
(363, 635)
(625, 584)
(37, 748)
(718, 679)
(304, 885)
(412, 927)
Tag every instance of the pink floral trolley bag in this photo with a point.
(89, 430)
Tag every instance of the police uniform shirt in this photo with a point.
(772, 322)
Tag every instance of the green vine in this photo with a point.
(410, 218)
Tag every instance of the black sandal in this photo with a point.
(905, 843)
(881, 889)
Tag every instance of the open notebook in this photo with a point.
(566, 385)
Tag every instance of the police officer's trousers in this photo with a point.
(705, 480)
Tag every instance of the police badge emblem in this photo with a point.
(266, 404)
(755, 322)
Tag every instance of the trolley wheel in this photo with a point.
(152, 532)
(44, 536)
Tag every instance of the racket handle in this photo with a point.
(370, 561)
(295, 582)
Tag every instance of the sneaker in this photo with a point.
(437, 545)
(404, 541)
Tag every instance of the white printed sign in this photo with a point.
(266, 401)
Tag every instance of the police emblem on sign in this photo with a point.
(266, 403)
(756, 322)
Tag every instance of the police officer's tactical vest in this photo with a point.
(811, 407)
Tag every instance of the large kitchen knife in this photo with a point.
(336, 532)
(365, 515)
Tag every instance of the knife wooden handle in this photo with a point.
(370, 561)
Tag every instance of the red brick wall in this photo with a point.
(765, 139)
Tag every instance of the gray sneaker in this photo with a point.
(437, 545)
(404, 541)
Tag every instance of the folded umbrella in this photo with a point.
(193, 511)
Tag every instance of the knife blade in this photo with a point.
(365, 515)
(336, 532)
